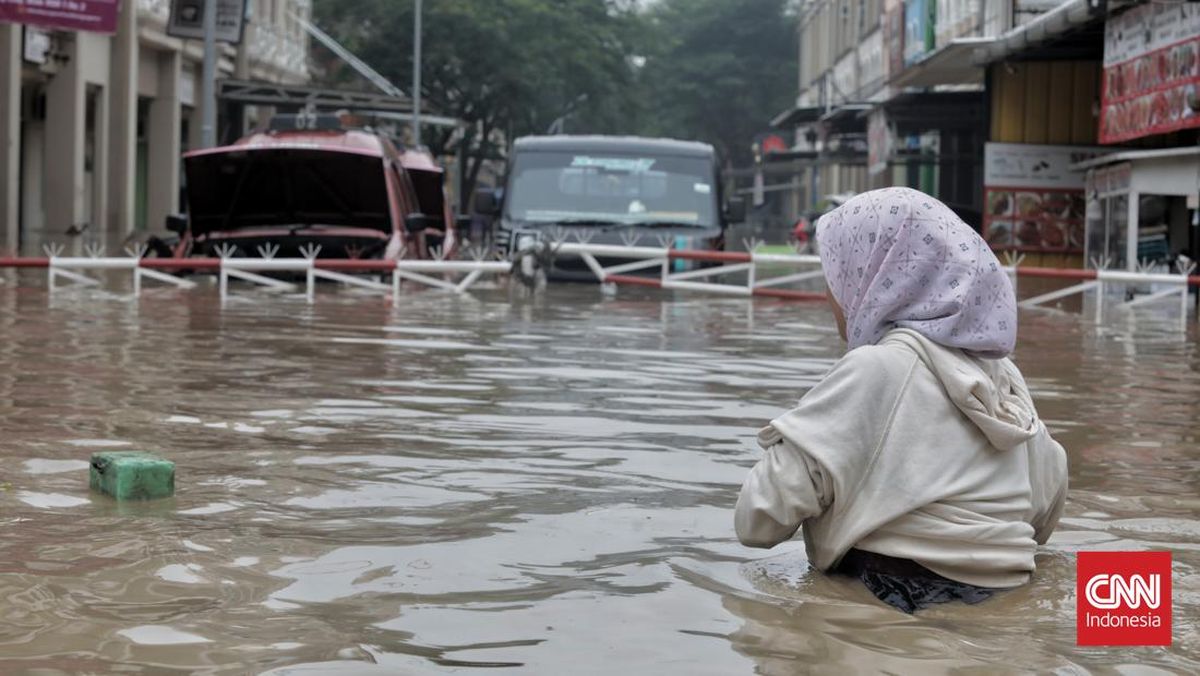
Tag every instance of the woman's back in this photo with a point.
(921, 447)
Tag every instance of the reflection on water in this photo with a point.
(544, 484)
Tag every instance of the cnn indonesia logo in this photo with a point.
(1123, 598)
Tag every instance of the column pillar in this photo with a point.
(122, 128)
(10, 135)
(162, 182)
(65, 112)
(1131, 232)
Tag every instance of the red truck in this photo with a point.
(308, 181)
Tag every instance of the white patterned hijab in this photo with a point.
(898, 258)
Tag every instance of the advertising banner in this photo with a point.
(893, 37)
(97, 16)
(918, 30)
(1151, 71)
(1033, 200)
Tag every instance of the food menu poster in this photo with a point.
(97, 16)
(1024, 219)
(1034, 201)
(1151, 71)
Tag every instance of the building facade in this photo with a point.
(92, 125)
(1065, 130)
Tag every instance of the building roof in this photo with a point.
(628, 144)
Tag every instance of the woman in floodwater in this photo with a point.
(918, 464)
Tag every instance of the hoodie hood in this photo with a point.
(990, 392)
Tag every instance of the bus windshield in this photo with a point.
(596, 187)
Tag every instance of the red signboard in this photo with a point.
(97, 16)
(1151, 72)
(1123, 598)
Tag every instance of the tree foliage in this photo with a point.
(711, 70)
(512, 66)
(720, 69)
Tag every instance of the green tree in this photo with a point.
(718, 70)
(512, 66)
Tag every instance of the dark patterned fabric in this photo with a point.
(907, 585)
(897, 257)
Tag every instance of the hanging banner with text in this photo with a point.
(1151, 71)
(96, 16)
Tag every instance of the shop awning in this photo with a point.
(796, 116)
(846, 111)
(1051, 27)
(1133, 155)
(953, 64)
(847, 118)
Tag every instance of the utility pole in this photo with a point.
(208, 102)
(416, 88)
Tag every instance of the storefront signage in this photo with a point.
(37, 45)
(97, 16)
(1034, 201)
(1110, 180)
(1151, 71)
(893, 29)
(187, 20)
(918, 30)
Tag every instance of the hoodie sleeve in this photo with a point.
(827, 441)
(1048, 483)
(784, 488)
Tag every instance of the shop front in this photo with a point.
(1142, 207)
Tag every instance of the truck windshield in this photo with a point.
(620, 188)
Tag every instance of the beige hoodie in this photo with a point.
(914, 450)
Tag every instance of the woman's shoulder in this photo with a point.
(881, 361)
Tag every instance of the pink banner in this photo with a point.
(97, 16)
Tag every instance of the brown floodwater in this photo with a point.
(544, 485)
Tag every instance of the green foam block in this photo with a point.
(132, 475)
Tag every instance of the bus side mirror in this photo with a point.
(177, 224)
(735, 210)
(486, 202)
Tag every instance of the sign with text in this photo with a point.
(1151, 71)
(1123, 598)
(187, 20)
(1034, 201)
(97, 16)
(37, 45)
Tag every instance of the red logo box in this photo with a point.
(1123, 598)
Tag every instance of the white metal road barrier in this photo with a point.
(457, 276)
(452, 275)
(725, 263)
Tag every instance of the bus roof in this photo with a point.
(616, 144)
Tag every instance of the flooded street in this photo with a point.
(544, 484)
